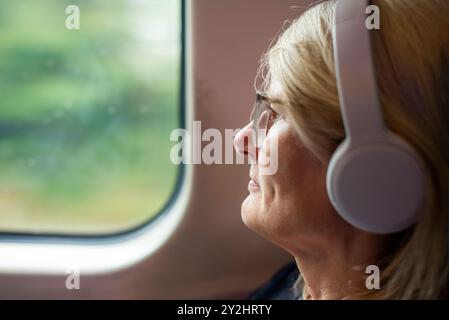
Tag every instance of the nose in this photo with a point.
(244, 142)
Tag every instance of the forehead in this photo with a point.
(275, 88)
(275, 91)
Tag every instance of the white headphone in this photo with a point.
(374, 180)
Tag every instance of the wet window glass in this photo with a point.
(89, 93)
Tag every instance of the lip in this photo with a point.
(253, 186)
(253, 178)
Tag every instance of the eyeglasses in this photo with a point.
(262, 117)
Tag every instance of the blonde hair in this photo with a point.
(411, 53)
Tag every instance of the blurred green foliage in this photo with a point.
(86, 115)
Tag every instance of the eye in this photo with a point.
(273, 118)
(276, 117)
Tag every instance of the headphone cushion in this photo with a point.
(377, 188)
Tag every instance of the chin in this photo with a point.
(252, 215)
(249, 212)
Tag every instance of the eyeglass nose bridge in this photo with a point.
(259, 118)
(260, 128)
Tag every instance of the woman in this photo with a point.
(292, 209)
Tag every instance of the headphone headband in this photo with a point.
(356, 80)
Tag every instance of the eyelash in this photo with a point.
(274, 117)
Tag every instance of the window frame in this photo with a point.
(24, 251)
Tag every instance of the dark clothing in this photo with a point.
(280, 286)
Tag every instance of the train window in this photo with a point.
(90, 91)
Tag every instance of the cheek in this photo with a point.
(294, 200)
(267, 211)
(282, 154)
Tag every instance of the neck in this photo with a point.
(337, 271)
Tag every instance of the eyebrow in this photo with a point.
(276, 100)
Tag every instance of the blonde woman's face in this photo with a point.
(292, 202)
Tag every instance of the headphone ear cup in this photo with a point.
(377, 188)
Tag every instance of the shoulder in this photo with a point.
(280, 286)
